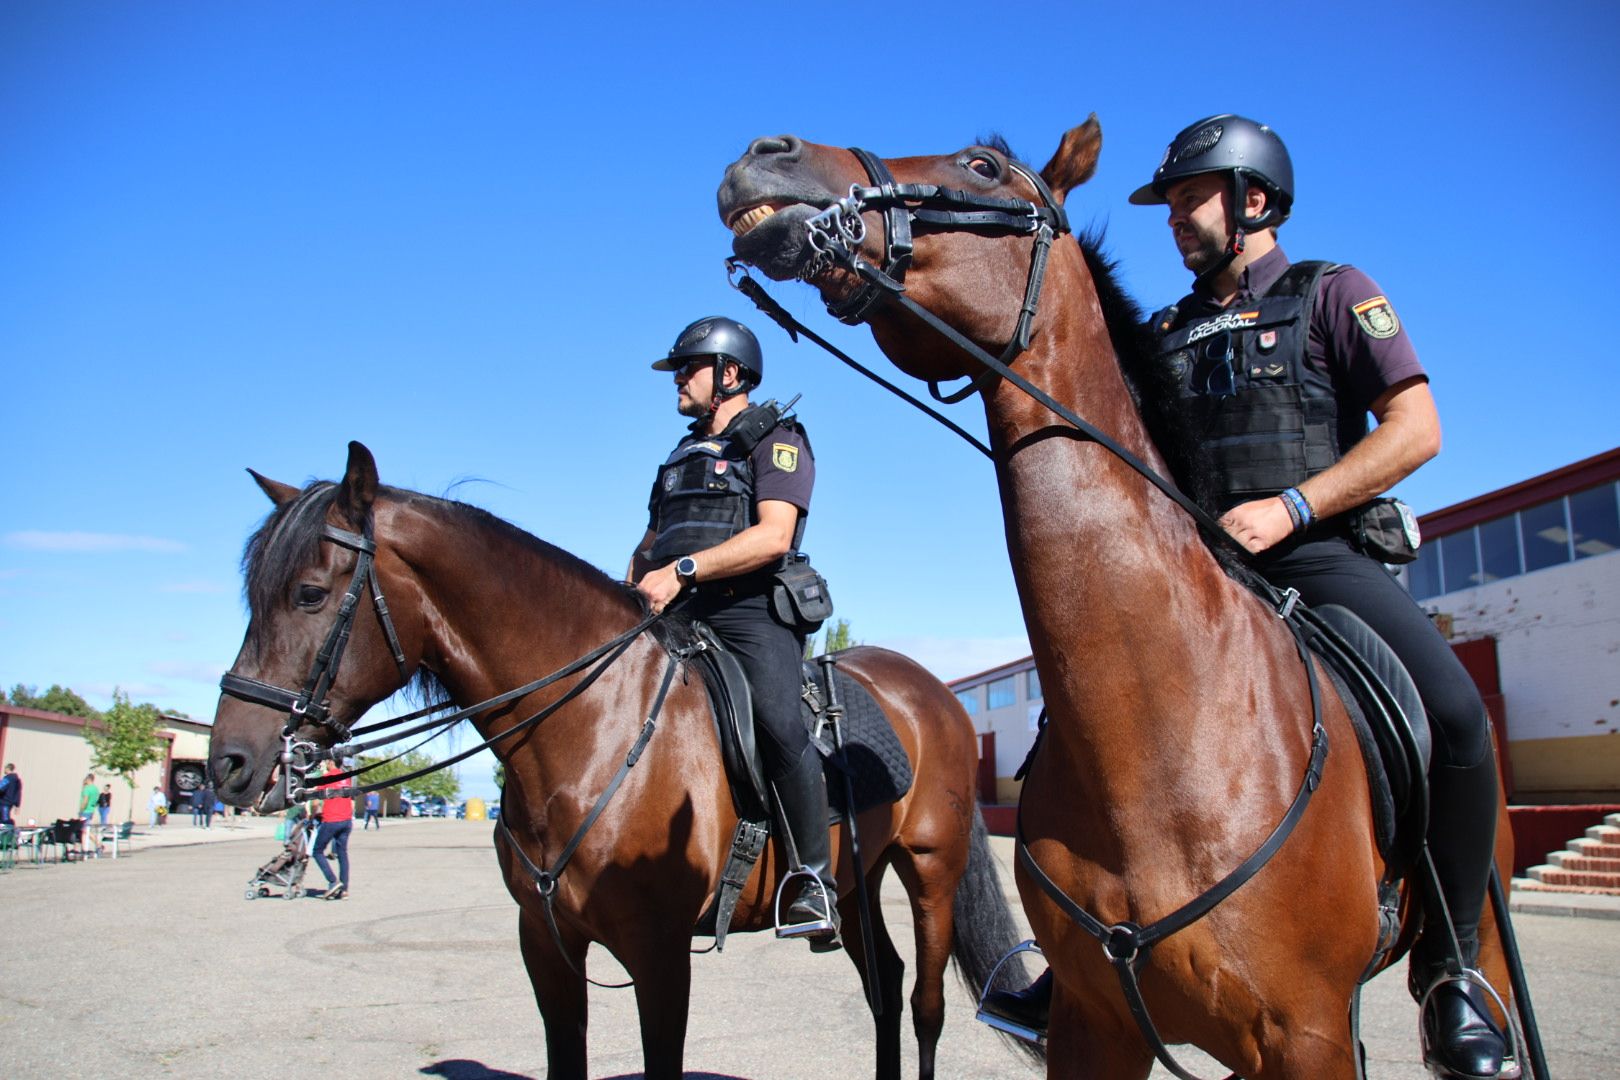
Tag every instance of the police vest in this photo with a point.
(705, 492)
(1267, 418)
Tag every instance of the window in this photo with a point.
(1546, 535)
(1002, 693)
(1459, 561)
(1595, 520)
(1032, 684)
(1499, 549)
(969, 700)
(1423, 576)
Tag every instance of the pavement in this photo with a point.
(156, 965)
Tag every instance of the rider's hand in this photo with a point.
(1259, 524)
(660, 586)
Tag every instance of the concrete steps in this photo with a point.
(1589, 864)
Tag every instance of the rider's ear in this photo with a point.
(279, 493)
(359, 489)
(1075, 160)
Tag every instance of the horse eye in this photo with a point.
(310, 595)
(985, 167)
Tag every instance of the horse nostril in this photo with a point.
(774, 144)
(230, 771)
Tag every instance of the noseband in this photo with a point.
(310, 705)
(837, 233)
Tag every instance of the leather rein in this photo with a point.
(836, 235)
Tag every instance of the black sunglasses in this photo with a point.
(1215, 366)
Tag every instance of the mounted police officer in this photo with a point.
(727, 510)
(1279, 364)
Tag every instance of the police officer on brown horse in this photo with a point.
(728, 507)
(1279, 364)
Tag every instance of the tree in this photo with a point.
(442, 784)
(58, 699)
(836, 639)
(500, 775)
(126, 742)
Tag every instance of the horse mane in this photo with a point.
(290, 538)
(1153, 386)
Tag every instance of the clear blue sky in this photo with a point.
(242, 234)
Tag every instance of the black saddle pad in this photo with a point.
(879, 771)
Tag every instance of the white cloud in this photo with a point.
(952, 658)
(91, 543)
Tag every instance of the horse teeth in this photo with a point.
(746, 221)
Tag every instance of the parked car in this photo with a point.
(494, 811)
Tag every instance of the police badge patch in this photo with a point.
(785, 456)
(1377, 318)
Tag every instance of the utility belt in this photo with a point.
(798, 596)
(1383, 529)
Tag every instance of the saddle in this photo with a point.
(1390, 724)
(879, 771)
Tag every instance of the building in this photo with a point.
(52, 757)
(1519, 579)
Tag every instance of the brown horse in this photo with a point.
(480, 607)
(1180, 715)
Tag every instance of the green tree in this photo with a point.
(58, 699)
(126, 742)
(836, 638)
(500, 775)
(442, 784)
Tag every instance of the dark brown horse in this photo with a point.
(482, 607)
(1180, 712)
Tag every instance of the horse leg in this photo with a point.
(560, 993)
(663, 999)
(891, 970)
(1084, 1047)
(931, 886)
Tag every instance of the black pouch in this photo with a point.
(799, 598)
(1386, 530)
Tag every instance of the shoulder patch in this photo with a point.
(1377, 318)
(785, 456)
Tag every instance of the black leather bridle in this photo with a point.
(837, 232)
(310, 705)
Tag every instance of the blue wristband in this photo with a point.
(1299, 508)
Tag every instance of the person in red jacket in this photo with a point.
(336, 816)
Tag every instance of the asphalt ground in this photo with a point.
(155, 965)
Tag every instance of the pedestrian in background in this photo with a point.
(10, 794)
(159, 805)
(372, 804)
(104, 803)
(337, 823)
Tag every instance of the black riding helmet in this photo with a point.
(1251, 152)
(725, 340)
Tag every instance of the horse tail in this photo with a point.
(984, 929)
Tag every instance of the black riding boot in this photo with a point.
(1460, 1035)
(802, 793)
(1026, 1009)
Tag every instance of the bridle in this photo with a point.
(837, 232)
(311, 706)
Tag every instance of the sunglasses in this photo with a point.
(1215, 371)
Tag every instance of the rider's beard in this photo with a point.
(1205, 248)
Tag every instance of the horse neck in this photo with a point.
(498, 609)
(1114, 579)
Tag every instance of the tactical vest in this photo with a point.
(1268, 419)
(705, 492)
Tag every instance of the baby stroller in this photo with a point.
(286, 870)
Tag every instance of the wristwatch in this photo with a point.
(686, 569)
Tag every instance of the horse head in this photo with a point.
(308, 568)
(972, 274)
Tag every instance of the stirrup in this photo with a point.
(817, 928)
(1002, 1023)
(1511, 1067)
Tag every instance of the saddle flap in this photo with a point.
(734, 722)
(1389, 670)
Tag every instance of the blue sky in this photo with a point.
(242, 234)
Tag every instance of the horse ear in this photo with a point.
(279, 493)
(359, 488)
(1075, 160)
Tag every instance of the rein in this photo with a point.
(310, 706)
(836, 234)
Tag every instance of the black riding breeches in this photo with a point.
(1462, 775)
(770, 655)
